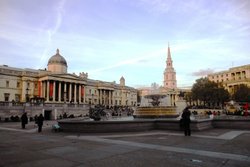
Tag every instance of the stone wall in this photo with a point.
(82, 126)
(55, 111)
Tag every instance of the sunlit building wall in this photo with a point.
(232, 78)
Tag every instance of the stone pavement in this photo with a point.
(215, 147)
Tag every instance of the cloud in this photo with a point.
(156, 6)
(52, 31)
(141, 59)
(202, 72)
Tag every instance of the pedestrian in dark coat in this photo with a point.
(40, 120)
(24, 120)
(186, 121)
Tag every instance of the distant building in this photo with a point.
(56, 85)
(169, 86)
(232, 78)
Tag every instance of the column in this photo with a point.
(47, 91)
(100, 96)
(109, 95)
(75, 94)
(80, 91)
(65, 92)
(59, 91)
(84, 95)
(70, 91)
(54, 90)
(113, 98)
(40, 88)
(44, 89)
(104, 92)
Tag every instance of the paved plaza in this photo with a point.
(214, 147)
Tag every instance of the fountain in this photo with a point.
(145, 117)
(156, 110)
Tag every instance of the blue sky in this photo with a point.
(114, 38)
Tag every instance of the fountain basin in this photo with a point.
(156, 112)
(136, 125)
(81, 126)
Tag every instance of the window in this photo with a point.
(6, 96)
(7, 84)
(35, 85)
(18, 84)
(17, 97)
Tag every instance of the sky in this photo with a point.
(109, 39)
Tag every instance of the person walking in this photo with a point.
(24, 120)
(40, 120)
(186, 121)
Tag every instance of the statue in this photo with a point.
(97, 112)
(155, 99)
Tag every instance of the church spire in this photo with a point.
(169, 73)
(169, 53)
(169, 62)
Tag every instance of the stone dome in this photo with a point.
(57, 63)
(57, 59)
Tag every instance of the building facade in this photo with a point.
(232, 78)
(56, 85)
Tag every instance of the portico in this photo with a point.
(106, 96)
(64, 88)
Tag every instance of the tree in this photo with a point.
(210, 93)
(242, 94)
(188, 97)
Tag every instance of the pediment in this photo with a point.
(67, 76)
(63, 77)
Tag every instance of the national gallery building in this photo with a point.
(55, 85)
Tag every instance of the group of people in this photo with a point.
(38, 120)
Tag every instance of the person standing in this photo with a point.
(186, 121)
(40, 120)
(24, 120)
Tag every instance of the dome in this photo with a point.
(57, 59)
(57, 63)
